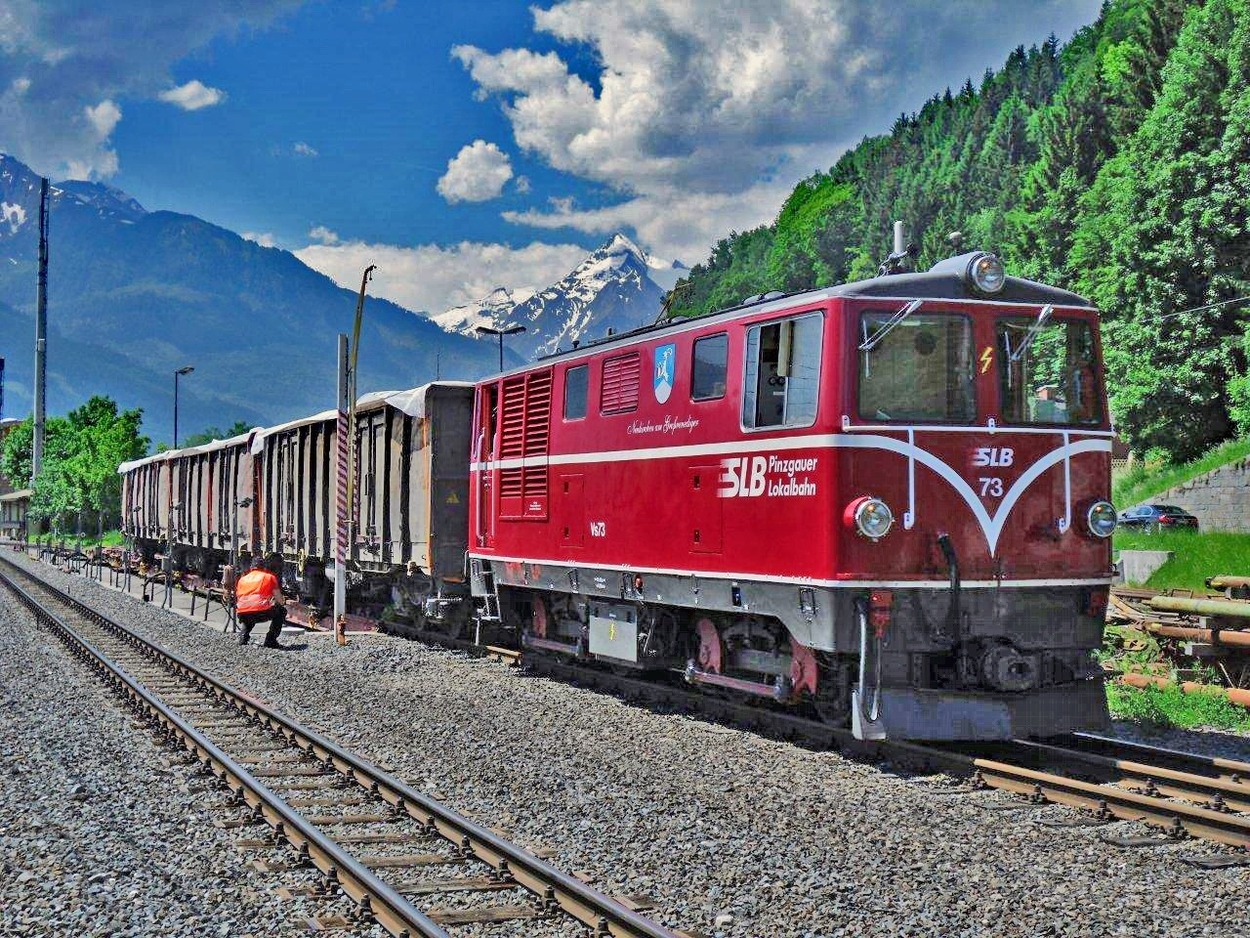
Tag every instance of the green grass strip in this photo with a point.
(1195, 556)
(1170, 707)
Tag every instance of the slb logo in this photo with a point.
(742, 476)
(997, 456)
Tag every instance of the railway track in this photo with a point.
(406, 862)
(1184, 794)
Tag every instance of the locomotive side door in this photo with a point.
(484, 454)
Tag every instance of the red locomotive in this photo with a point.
(884, 502)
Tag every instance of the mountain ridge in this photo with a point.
(134, 295)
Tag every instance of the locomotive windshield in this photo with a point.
(921, 370)
(1050, 377)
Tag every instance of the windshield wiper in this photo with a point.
(1034, 329)
(889, 325)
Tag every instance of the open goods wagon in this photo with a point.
(408, 527)
(192, 499)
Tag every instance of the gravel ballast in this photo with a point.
(730, 833)
(97, 836)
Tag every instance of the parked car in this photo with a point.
(1158, 518)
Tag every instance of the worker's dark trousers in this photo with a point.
(276, 617)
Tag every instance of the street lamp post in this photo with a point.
(184, 370)
(511, 330)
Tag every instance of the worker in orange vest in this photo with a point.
(258, 598)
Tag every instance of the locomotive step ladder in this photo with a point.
(490, 599)
(489, 613)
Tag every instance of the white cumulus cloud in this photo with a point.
(433, 278)
(477, 173)
(103, 118)
(193, 95)
(712, 102)
(264, 238)
(303, 149)
(322, 234)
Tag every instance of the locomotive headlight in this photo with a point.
(871, 516)
(986, 273)
(1101, 519)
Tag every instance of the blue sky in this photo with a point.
(465, 145)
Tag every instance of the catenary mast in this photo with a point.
(41, 335)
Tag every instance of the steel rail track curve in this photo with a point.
(553, 890)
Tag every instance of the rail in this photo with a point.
(392, 911)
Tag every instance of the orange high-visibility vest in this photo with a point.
(255, 591)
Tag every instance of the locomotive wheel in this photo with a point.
(832, 701)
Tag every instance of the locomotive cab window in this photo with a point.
(1046, 372)
(709, 367)
(918, 369)
(576, 383)
(782, 373)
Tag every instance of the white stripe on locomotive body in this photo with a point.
(991, 526)
(753, 445)
(799, 580)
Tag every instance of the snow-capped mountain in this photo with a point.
(617, 287)
(107, 201)
(492, 308)
(19, 200)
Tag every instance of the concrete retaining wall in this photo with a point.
(1220, 499)
(1137, 566)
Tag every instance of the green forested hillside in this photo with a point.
(1117, 166)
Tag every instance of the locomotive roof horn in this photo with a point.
(902, 259)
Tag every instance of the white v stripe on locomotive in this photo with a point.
(991, 526)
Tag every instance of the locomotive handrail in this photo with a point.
(991, 427)
(873, 713)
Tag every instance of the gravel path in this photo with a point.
(732, 834)
(88, 850)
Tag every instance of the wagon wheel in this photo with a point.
(832, 701)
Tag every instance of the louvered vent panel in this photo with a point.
(511, 484)
(512, 424)
(525, 434)
(622, 377)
